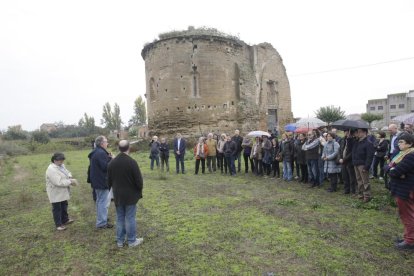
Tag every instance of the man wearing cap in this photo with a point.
(99, 159)
(124, 176)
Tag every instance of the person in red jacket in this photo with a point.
(200, 153)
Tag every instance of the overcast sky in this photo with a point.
(60, 59)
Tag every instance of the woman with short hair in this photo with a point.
(401, 172)
(58, 182)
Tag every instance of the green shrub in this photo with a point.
(12, 149)
(40, 137)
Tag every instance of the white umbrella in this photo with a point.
(258, 133)
(406, 118)
(310, 123)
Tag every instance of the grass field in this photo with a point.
(206, 224)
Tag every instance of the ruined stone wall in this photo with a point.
(198, 84)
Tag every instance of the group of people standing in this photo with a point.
(316, 156)
(112, 178)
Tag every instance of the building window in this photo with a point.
(380, 107)
(401, 106)
(393, 106)
(372, 108)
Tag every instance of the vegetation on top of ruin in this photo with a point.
(191, 31)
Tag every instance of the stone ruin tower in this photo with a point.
(201, 80)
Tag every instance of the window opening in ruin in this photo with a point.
(178, 108)
(166, 90)
(271, 119)
(224, 105)
(195, 46)
(195, 86)
(232, 103)
(152, 89)
(272, 93)
(203, 106)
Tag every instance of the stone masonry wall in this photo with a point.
(198, 84)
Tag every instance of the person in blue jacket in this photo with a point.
(99, 159)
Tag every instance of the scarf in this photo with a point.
(400, 156)
(200, 150)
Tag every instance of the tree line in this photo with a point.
(111, 120)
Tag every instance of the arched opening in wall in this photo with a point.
(272, 119)
(195, 82)
(152, 89)
(272, 93)
(237, 82)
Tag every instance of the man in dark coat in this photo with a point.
(362, 156)
(124, 176)
(230, 151)
(179, 152)
(99, 159)
(348, 171)
(238, 140)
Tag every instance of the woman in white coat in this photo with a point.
(58, 182)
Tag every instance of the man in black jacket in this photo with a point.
(238, 140)
(124, 176)
(345, 153)
(362, 156)
(99, 159)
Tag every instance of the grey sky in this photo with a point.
(59, 59)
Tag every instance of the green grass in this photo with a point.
(206, 224)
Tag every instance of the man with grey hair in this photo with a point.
(394, 135)
(124, 176)
(99, 159)
(212, 152)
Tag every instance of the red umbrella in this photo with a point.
(303, 129)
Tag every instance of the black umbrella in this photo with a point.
(350, 124)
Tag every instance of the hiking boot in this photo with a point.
(405, 246)
(106, 226)
(69, 222)
(60, 228)
(137, 242)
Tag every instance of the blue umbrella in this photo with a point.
(290, 127)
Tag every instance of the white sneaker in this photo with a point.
(136, 242)
(380, 178)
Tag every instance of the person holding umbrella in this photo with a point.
(362, 156)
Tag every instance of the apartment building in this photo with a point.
(391, 107)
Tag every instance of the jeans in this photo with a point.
(380, 161)
(321, 164)
(60, 212)
(247, 158)
(155, 158)
(258, 168)
(101, 207)
(220, 161)
(348, 175)
(238, 156)
(179, 159)
(276, 168)
(313, 171)
(211, 167)
(303, 173)
(164, 160)
(126, 223)
(287, 170)
(203, 165)
(230, 164)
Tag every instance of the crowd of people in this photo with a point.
(312, 157)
